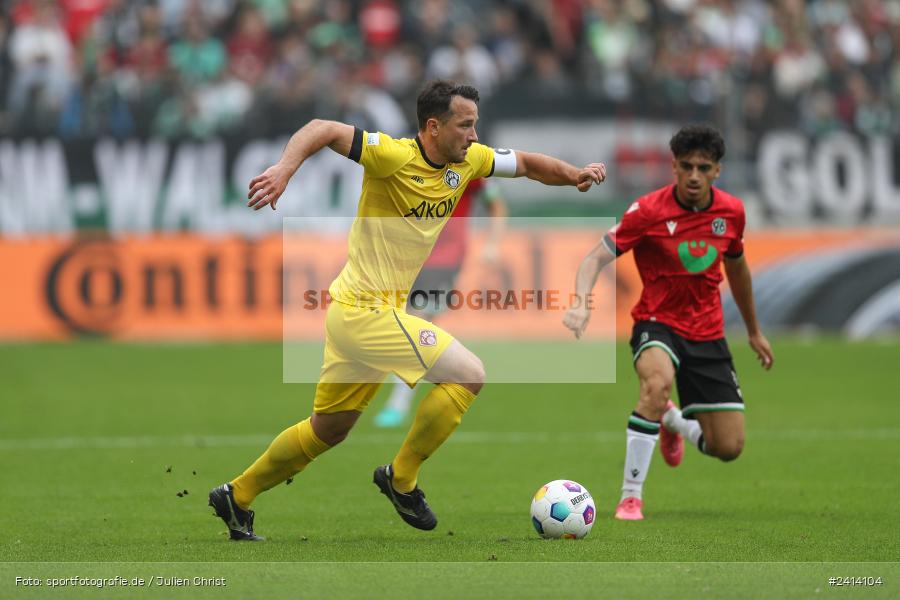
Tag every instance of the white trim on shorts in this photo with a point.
(718, 407)
(658, 344)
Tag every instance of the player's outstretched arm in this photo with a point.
(577, 316)
(267, 187)
(552, 171)
(741, 283)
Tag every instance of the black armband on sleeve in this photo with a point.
(493, 164)
(611, 246)
(734, 256)
(356, 146)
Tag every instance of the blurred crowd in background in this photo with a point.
(192, 68)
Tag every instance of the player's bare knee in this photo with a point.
(475, 375)
(729, 454)
(336, 438)
(726, 451)
(659, 386)
(733, 450)
(330, 429)
(655, 391)
(333, 435)
(475, 388)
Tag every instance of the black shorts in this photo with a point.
(430, 291)
(704, 371)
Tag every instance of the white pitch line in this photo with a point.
(462, 437)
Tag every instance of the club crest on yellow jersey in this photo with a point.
(452, 178)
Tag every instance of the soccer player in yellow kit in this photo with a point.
(410, 188)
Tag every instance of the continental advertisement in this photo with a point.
(189, 286)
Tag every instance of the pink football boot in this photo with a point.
(629, 509)
(671, 444)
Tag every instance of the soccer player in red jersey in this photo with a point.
(680, 235)
(429, 293)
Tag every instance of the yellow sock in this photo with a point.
(438, 415)
(287, 455)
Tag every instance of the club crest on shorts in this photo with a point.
(451, 178)
(427, 337)
(718, 226)
(644, 337)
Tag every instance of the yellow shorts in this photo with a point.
(363, 345)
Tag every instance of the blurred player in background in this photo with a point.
(681, 235)
(428, 297)
(410, 188)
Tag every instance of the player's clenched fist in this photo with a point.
(591, 174)
(268, 187)
(577, 319)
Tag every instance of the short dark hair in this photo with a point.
(698, 138)
(434, 99)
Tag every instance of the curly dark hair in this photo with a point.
(434, 99)
(698, 138)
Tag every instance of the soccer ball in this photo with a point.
(562, 509)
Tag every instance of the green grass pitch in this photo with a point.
(97, 440)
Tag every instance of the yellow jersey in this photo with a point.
(405, 202)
